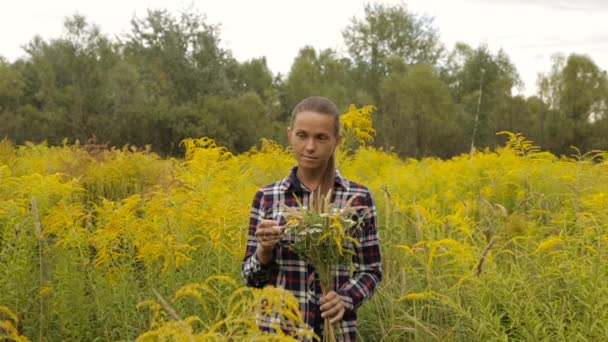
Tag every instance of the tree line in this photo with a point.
(169, 79)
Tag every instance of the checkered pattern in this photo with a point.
(293, 273)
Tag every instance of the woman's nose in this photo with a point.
(310, 144)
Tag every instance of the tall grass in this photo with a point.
(494, 245)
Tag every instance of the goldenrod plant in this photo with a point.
(228, 312)
(357, 129)
(8, 326)
(504, 244)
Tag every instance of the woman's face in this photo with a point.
(313, 139)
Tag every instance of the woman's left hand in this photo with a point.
(332, 307)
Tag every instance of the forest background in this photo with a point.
(170, 79)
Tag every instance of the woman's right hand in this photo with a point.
(268, 234)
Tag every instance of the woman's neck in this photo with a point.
(310, 179)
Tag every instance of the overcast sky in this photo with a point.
(530, 31)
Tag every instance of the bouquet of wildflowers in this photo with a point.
(319, 234)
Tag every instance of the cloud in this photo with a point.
(563, 5)
(598, 40)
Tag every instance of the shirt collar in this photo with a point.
(293, 183)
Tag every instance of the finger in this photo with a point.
(268, 244)
(274, 230)
(331, 295)
(267, 234)
(333, 312)
(268, 238)
(337, 317)
(270, 229)
(268, 223)
(332, 307)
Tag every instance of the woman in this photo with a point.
(314, 134)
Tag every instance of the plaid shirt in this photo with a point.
(293, 273)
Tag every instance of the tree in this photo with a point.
(178, 59)
(388, 32)
(577, 91)
(418, 116)
(65, 78)
(194, 88)
(320, 73)
(253, 76)
(541, 126)
(241, 121)
(11, 86)
(482, 83)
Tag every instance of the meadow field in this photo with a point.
(110, 244)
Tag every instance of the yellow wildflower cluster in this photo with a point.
(508, 244)
(357, 127)
(227, 318)
(8, 326)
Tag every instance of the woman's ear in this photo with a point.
(289, 134)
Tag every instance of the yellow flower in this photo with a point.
(357, 125)
(418, 296)
(549, 244)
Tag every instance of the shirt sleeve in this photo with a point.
(367, 261)
(253, 272)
